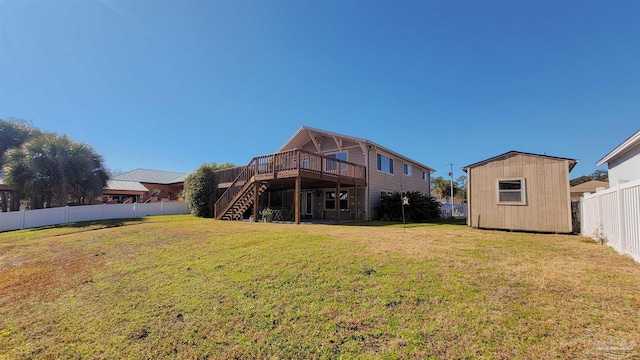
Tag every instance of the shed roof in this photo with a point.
(125, 185)
(572, 162)
(621, 149)
(307, 133)
(152, 176)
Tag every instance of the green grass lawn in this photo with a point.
(184, 287)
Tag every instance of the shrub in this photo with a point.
(200, 190)
(421, 207)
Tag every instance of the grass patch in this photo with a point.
(186, 287)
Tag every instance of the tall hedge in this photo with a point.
(421, 207)
(199, 189)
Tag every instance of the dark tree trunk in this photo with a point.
(15, 201)
(3, 201)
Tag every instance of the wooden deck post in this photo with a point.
(296, 196)
(273, 165)
(256, 187)
(338, 202)
(355, 195)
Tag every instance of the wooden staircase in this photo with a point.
(244, 201)
(239, 196)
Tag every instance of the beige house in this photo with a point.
(578, 191)
(318, 174)
(520, 191)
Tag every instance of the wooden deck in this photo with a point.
(296, 169)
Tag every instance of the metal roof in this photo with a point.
(151, 176)
(125, 185)
(573, 162)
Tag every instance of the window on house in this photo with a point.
(333, 165)
(385, 164)
(330, 200)
(511, 191)
(384, 193)
(425, 176)
(406, 169)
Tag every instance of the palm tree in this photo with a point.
(442, 187)
(13, 133)
(54, 168)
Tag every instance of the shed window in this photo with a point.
(511, 191)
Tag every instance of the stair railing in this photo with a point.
(245, 175)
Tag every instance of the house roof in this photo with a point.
(151, 176)
(306, 133)
(572, 162)
(630, 142)
(125, 185)
(589, 186)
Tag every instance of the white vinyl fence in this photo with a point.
(613, 215)
(16, 220)
(458, 211)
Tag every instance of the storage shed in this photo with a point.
(520, 191)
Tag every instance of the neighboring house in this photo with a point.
(124, 192)
(318, 174)
(144, 185)
(587, 187)
(624, 161)
(520, 191)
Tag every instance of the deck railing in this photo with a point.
(292, 160)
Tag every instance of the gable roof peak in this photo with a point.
(572, 162)
(295, 142)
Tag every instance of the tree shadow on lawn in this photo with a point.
(92, 225)
(459, 222)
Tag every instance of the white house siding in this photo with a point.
(625, 167)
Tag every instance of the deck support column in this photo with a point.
(338, 202)
(256, 187)
(355, 195)
(296, 195)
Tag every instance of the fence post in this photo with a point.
(103, 207)
(583, 222)
(66, 214)
(600, 223)
(621, 217)
(23, 219)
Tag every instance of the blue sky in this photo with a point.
(170, 85)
